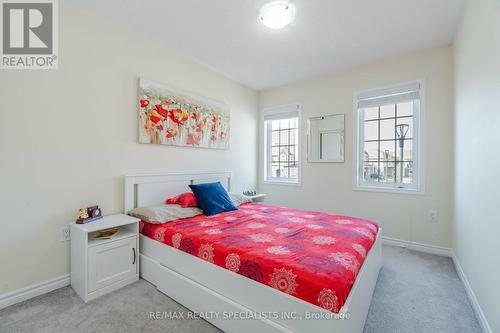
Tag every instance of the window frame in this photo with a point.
(418, 143)
(267, 150)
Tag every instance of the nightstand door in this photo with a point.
(112, 262)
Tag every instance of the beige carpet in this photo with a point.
(415, 293)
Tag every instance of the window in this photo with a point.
(389, 138)
(281, 145)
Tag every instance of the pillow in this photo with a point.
(212, 198)
(239, 198)
(186, 199)
(164, 213)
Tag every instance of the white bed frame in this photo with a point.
(218, 293)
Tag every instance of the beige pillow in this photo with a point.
(239, 198)
(164, 213)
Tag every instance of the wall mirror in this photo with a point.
(325, 138)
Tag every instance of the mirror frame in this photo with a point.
(309, 159)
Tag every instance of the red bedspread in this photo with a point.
(310, 255)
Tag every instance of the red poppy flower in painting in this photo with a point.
(155, 119)
(159, 108)
(213, 137)
(193, 139)
(144, 103)
(195, 116)
(214, 119)
(213, 128)
(222, 134)
(178, 116)
(171, 133)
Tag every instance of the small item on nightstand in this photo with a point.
(89, 214)
(249, 193)
(82, 215)
(94, 211)
(106, 234)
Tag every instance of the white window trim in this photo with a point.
(419, 139)
(265, 153)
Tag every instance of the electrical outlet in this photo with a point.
(433, 216)
(66, 235)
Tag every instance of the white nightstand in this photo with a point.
(257, 197)
(101, 266)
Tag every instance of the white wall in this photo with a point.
(68, 136)
(477, 140)
(328, 187)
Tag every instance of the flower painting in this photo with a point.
(169, 117)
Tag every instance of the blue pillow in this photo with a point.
(212, 198)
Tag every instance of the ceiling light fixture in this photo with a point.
(277, 14)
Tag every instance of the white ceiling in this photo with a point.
(326, 35)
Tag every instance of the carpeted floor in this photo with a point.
(415, 292)
(419, 292)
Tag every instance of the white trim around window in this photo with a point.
(415, 92)
(276, 113)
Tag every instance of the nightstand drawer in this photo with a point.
(112, 262)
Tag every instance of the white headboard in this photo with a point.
(154, 189)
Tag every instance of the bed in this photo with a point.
(238, 286)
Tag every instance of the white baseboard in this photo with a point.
(38, 289)
(472, 296)
(420, 247)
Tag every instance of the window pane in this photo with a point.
(371, 151)
(275, 125)
(407, 172)
(408, 121)
(387, 129)
(275, 138)
(371, 130)
(282, 154)
(387, 150)
(288, 153)
(284, 123)
(275, 154)
(387, 111)
(406, 169)
(294, 172)
(387, 172)
(371, 113)
(407, 151)
(284, 138)
(292, 137)
(405, 109)
(274, 170)
(370, 171)
(284, 170)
